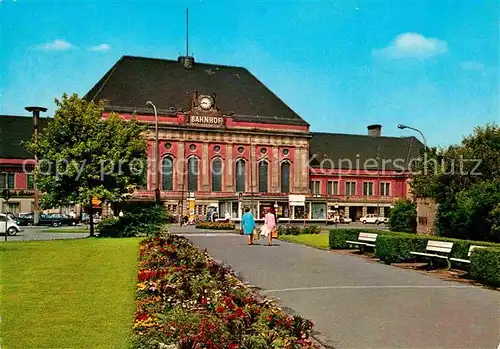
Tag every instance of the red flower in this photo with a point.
(203, 301)
(270, 318)
(219, 309)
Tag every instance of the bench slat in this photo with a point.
(355, 243)
(459, 260)
(444, 244)
(473, 247)
(367, 239)
(439, 249)
(367, 235)
(428, 255)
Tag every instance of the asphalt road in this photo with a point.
(35, 233)
(359, 304)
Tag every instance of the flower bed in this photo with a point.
(216, 225)
(186, 298)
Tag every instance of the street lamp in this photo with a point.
(402, 127)
(36, 116)
(338, 214)
(157, 187)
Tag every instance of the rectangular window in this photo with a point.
(333, 188)
(7, 180)
(350, 188)
(314, 187)
(367, 188)
(385, 189)
(3, 180)
(30, 181)
(13, 207)
(10, 181)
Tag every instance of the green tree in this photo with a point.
(83, 155)
(475, 213)
(403, 217)
(447, 174)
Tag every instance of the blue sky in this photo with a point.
(341, 65)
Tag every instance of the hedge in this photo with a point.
(485, 265)
(391, 248)
(215, 225)
(396, 247)
(288, 229)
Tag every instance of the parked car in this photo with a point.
(65, 219)
(373, 219)
(25, 219)
(12, 227)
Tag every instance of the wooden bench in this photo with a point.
(468, 255)
(442, 247)
(364, 239)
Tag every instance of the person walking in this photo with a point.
(270, 222)
(248, 225)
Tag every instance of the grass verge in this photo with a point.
(66, 231)
(68, 294)
(313, 240)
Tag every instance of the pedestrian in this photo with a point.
(270, 223)
(248, 225)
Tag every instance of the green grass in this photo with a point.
(314, 240)
(66, 231)
(68, 294)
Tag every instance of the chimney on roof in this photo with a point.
(186, 61)
(375, 130)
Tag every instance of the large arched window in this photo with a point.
(217, 174)
(240, 175)
(263, 166)
(192, 180)
(167, 173)
(285, 177)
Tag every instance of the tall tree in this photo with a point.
(82, 155)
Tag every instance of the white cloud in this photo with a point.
(101, 48)
(56, 45)
(412, 45)
(472, 65)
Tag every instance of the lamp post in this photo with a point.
(157, 187)
(338, 214)
(36, 117)
(402, 127)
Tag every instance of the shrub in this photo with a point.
(138, 220)
(485, 265)
(311, 229)
(391, 248)
(403, 217)
(288, 229)
(216, 225)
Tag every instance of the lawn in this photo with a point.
(68, 294)
(314, 240)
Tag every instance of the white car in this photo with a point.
(12, 227)
(373, 219)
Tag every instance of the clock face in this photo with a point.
(206, 103)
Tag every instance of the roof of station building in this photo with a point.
(169, 85)
(362, 151)
(14, 130)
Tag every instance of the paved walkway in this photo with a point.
(358, 304)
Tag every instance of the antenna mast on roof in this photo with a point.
(187, 60)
